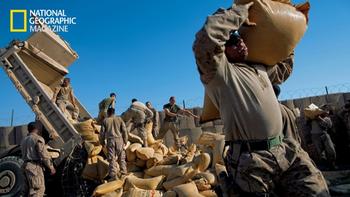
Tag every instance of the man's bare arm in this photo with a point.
(188, 113)
(167, 112)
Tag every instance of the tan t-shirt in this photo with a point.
(242, 92)
(113, 127)
(64, 93)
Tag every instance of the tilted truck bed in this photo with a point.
(36, 67)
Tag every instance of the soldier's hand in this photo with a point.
(247, 22)
(52, 171)
(248, 5)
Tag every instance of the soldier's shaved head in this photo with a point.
(66, 82)
(31, 127)
(172, 100)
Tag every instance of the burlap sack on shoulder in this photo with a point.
(279, 28)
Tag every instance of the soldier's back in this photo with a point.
(28, 145)
(112, 125)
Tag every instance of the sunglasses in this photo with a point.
(234, 38)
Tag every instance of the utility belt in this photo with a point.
(256, 145)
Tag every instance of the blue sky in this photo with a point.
(142, 49)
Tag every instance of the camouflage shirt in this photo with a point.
(33, 149)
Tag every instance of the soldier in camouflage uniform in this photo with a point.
(321, 139)
(260, 161)
(35, 157)
(138, 115)
(65, 100)
(114, 131)
(104, 105)
(155, 119)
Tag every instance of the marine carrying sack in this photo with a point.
(279, 28)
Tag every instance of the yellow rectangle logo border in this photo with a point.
(24, 29)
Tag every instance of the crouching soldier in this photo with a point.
(114, 131)
(65, 100)
(138, 114)
(35, 156)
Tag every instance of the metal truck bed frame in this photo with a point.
(35, 74)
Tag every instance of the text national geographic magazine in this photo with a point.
(177, 98)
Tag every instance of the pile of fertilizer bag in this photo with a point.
(155, 170)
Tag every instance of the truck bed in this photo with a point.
(36, 67)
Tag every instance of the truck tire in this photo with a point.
(12, 179)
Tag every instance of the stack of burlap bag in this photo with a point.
(96, 167)
(153, 171)
(161, 171)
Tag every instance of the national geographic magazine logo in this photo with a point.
(55, 19)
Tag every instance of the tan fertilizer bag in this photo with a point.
(279, 28)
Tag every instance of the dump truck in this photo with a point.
(36, 66)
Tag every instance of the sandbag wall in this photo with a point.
(11, 136)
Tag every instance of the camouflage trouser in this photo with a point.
(323, 142)
(172, 126)
(35, 177)
(115, 156)
(68, 109)
(285, 170)
(155, 130)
